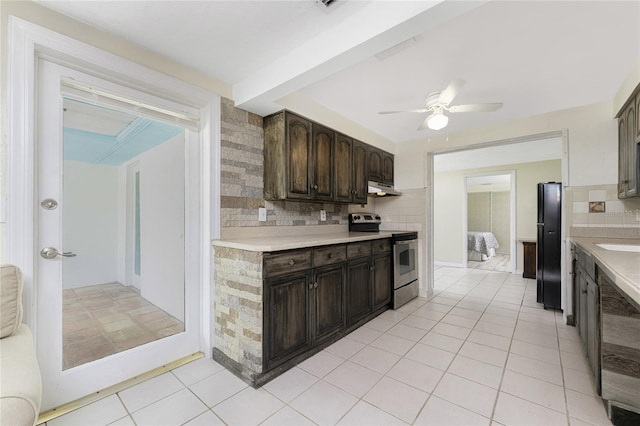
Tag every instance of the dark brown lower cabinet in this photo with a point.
(287, 316)
(328, 301)
(381, 280)
(620, 349)
(358, 290)
(529, 256)
(314, 296)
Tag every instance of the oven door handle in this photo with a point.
(405, 242)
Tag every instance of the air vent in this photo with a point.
(398, 47)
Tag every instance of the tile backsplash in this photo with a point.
(241, 179)
(599, 206)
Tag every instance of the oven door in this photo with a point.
(405, 267)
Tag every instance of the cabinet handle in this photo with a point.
(315, 285)
(315, 187)
(330, 255)
(311, 286)
(291, 262)
(584, 291)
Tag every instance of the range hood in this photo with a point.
(377, 189)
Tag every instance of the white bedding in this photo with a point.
(484, 243)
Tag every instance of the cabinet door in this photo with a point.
(529, 255)
(632, 184)
(343, 168)
(299, 157)
(287, 317)
(381, 280)
(374, 160)
(358, 290)
(360, 173)
(623, 164)
(387, 168)
(638, 117)
(592, 326)
(582, 297)
(322, 169)
(328, 297)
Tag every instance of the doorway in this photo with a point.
(534, 159)
(491, 216)
(117, 273)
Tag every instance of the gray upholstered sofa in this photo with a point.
(20, 382)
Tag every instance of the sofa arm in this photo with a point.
(20, 382)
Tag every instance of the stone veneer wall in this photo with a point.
(615, 213)
(238, 306)
(242, 170)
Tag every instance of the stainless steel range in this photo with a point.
(405, 256)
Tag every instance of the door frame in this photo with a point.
(567, 294)
(512, 216)
(28, 41)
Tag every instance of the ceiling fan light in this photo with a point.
(437, 121)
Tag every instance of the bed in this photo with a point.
(481, 245)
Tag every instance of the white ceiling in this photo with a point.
(535, 56)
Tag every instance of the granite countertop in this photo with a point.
(622, 267)
(295, 241)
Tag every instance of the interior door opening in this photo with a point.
(490, 207)
(534, 159)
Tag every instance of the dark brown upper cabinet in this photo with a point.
(304, 160)
(322, 163)
(387, 168)
(374, 160)
(628, 151)
(350, 169)
(298, 159)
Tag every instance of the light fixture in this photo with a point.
(437, 120)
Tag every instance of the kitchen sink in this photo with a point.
(634, 248)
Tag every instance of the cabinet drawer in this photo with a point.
(359, 249)
(380, 246)
(329, 255)
(284, 263)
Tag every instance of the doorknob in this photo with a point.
(51, 253)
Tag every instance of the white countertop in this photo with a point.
(622, 267)
(291, 240)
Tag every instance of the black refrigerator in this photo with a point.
(548, 273)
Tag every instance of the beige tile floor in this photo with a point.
(105, 319)
(499, 262)
(481, 352)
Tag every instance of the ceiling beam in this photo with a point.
(375, 28)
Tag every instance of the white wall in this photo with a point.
(162, 210)
(592, 139)
(90, 224)
(449, 196)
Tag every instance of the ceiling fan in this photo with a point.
(438, 102)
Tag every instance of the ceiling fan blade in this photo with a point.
(476, 107)
(406, 110)
(424, 124)
(448, 94)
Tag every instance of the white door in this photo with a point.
(117, 196)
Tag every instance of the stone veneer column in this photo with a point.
(238, 306)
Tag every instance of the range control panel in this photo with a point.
(364, 218)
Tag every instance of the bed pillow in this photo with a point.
(10, 299)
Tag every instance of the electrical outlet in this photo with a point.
(323, 215)
(262, 214)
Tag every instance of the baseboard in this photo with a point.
(453, 265)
